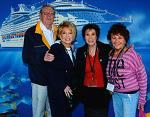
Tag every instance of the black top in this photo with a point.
(80, 63)
(33, 55)
(61, 68)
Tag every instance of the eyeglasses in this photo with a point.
(48, 14)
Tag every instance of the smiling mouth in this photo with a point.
(68, 39)
(91, 41)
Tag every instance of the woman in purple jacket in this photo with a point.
(127, 78)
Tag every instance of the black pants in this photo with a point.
(95, 101)
(58, 103)
(95, 112)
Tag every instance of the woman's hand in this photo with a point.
(48, 57)
(68, 91)
(141, 106)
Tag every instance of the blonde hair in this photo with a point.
(69, 25)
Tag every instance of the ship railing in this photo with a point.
(122, 19)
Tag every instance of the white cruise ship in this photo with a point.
(15, 25)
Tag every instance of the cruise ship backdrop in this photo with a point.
(15, 85)
(19, 20)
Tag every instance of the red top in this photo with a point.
(97, 80)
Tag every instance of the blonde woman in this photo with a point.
(61, 70)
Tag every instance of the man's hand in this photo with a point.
(48, 57)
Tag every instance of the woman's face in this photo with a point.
(90, 37)
(118, 41)
(67, 36)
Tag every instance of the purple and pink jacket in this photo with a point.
(128, 74)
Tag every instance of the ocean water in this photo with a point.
(11, 62)
(17, 81)
(145, 54)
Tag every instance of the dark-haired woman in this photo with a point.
(126, 74)
(90, 68)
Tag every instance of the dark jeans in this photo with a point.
(95, 101)
(95, 97)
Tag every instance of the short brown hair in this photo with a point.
(118, 29)
(91, 26)
(47, 5)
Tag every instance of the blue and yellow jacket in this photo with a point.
(34, 49)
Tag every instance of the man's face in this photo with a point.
(47, 16)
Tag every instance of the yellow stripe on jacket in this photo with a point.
(39, 31)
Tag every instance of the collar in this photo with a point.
(43, 27)
(38, 30)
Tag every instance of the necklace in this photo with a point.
(92, 65)
(111, 70)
